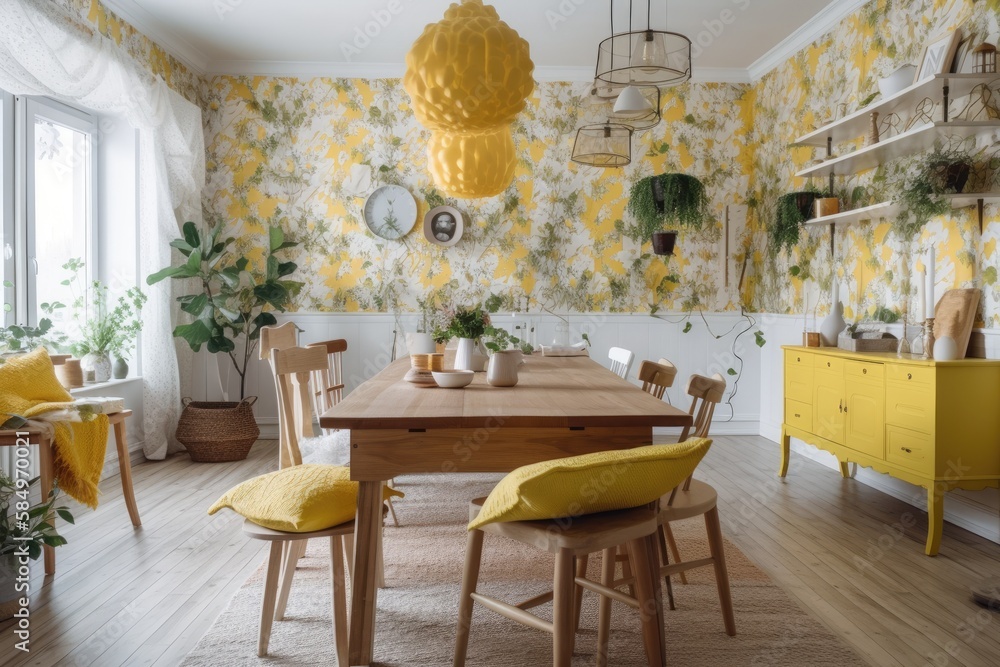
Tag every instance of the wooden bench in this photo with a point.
(34, 437)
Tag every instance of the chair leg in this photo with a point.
(581, 571)
(392, 512)
(627, 569)
(289, 561)
(349, 550)
(665, 557)
(717, 549)
(125, 468)
(470, 579)
(270, 593)
(647, 583)
(604, 608)
(564, 586)
(674, 551)
(340, 628)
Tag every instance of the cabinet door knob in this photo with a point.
(909, 376)
(828, 364)
(798, 415)
(864, 371)
(841, 408)
(798, 358)
(907, 450)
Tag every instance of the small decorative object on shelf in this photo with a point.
(811, 339)
(834, 322)
(827, 206)
(904, 343)
(929, 338)
(873, 134)
(898, 81)
(945, 349)
(984, 59)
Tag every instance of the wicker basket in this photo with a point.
(218, 432)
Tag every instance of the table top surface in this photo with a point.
(552, 392)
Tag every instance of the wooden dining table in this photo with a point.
(561, 406)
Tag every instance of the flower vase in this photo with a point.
(100, 363)
(119, 370)
(503, 368)
(834, 323)
(470, 356)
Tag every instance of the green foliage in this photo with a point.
(498, 339)
(234, 299)
(23, 338)
(465, 322)
(918, 189)
(684, 204)
(22, 524)
(106, 331)
(788, 219)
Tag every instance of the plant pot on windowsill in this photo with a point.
(216, 432)
(664, 242)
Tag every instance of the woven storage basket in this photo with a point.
(214, 432)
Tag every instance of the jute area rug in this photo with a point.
(417, 612)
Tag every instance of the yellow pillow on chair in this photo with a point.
(299, 499)
(591, 483)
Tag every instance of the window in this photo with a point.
(50, 205)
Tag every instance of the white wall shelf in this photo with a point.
(902, 145)
(941, 87)
(888, 209)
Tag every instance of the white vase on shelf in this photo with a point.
(834, 323)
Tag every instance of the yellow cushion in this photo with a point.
(28, 385)
(591, 483)
(299, 499)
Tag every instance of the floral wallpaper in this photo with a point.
(305, 153)
(874, 262)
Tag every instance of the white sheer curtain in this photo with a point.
(45, 51)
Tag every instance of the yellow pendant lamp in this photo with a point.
(468, 77)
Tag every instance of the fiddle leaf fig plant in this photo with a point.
(235, 298)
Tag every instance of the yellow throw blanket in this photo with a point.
(29, 388)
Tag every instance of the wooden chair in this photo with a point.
(691, 499)
(47, 475)
(657, 377)
(571, 545)
(621, 361)
(328, 384)
(281, 338)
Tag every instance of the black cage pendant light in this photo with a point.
(644, 57)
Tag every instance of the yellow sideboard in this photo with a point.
(930, 423)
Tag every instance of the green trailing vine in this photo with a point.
(788, 219)
(918, 189)
(684, 204)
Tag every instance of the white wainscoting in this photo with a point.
(976, 511)
(370, 346)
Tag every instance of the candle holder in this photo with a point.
(929, 338)
(904, 342)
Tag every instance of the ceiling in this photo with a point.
(325, 37)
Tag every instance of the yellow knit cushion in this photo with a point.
(28, 385)
(591, 483)
(299, 499)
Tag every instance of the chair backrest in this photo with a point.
(656, 377)
(621, 361)
(277, 338)
(293, 370)
(705, 394)
(328, 384)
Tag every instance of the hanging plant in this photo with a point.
(793, 209)
(656, 202)
(945, 170)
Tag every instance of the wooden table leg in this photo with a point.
(363, 589)
(46, 474)
(125, 466)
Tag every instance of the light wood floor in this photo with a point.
(145, 597)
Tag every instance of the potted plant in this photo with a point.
(666, 200)
(107, 331)
(20, 338)
(23, 533)
(505, 357)
(945, 170)
(793, 210)
(233, 300)
(468, 325)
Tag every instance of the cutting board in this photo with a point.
(954, 316)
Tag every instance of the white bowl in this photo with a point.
(897, 81)
(453, 379)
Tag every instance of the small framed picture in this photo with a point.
(962, 63)
(443, 226)
(938, 57)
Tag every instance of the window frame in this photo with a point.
(8, 242)
(26, 109)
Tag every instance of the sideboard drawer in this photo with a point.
(911, 374)
(796, 359)
(911, 406)
(865, 370)
(799, 383)
(799, 415)
(828, 364)
(910, 449)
